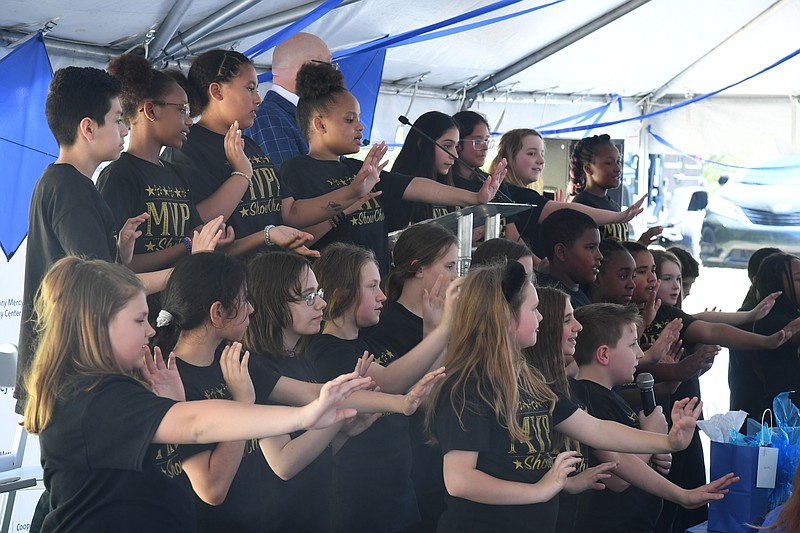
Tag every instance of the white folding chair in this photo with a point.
(12, 476)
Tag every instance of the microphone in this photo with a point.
(473, 171)
(645, 383)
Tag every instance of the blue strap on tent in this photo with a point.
(412, 39)
(421, 34)
(25, 75)
(301, 23)
(585, 115)
(390, 40)
(676, 106)
(663, 141)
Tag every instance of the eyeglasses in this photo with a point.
(479, 144)
(334, 65)
(183, 109)
(311, 298)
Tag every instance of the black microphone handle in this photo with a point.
(648, 401)
(474, 171)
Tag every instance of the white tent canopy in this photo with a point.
(531, 70)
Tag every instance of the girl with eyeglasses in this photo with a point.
(207, 303)
(156, 107)
(474, 146)
(328, 115)
(155, 104)
(109, 415)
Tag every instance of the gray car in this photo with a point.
(755, 209)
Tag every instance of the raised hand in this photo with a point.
(451, 302)
(212, 233)
(632, 212)
(764, 307)
(648, 237)
(684, 419)
(323, 411)
(654, 422)
(162, 378)
(234, 151)
(370, 173)
(414, 398)
(700, 360)
(292, 239)
(661, 463)
(553, 481)
(669, 336)
(651, 306)
(492, 183)
(716, 490)
(589, 479)
(236, 374)
(777, 339)
(126, 238)
(363, 363)
(433, 303)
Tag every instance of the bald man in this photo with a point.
(275, 128)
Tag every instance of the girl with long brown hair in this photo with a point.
(494, 415)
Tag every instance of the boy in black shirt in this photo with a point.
(607, 353)
(67, 215)
(571, 243)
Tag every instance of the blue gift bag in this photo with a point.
(744, 503)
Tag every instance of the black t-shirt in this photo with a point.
(372, 489)
(398, 331)
(781, 366)
(578, 298)
(132, 186)
(666, 314)
(502, 458)
(203, 164)
(243, 509)
(600, 511)
(301, 504)
(617, 231)
(67, 217)
(101, 467)
(528, 221)
(307, 177)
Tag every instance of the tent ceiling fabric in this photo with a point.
(632, 56)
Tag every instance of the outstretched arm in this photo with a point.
(731, 337)
(632, 470)
(432, 192)
(312, 211)
(463, 480)
(209, 421)
(608, 435)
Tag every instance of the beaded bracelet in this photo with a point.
(266, 234)
(187, 242)
(242, 174)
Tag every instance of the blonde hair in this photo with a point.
(483, 353)
(74, 305)
(510, 145)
